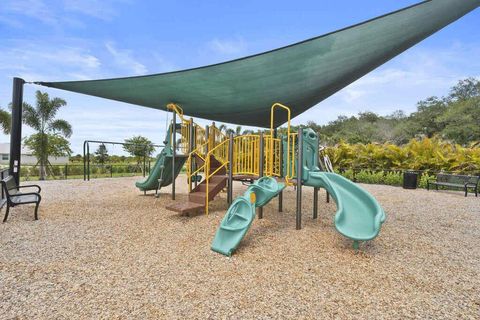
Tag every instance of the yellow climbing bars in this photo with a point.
(246, 155)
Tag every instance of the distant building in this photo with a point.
(26, 158)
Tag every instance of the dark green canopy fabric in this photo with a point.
(300, 75)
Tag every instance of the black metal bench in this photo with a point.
(15, 197)
(456, 181)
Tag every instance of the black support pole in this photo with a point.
(315, 203)
(261, 169)
(299, 179)
(84, 161)
(174, 147)
(16, 130)
(280, 195)
(88, 161)
(230, 170)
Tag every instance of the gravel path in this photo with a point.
(103, 250)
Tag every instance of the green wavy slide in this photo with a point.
(359, 216)
(240, 215)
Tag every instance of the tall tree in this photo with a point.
(49, 139)
(101, 154)
(139, 147)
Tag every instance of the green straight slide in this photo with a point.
(241, 213)
(359, 216)
(162, 169)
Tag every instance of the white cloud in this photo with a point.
(124, 59)
(104, 10)
(228, 47)
(35, 61)
(59, 13)
(36, 9)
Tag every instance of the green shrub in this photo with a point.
(424, 179)
(348, 174)
(367, 176)
(393, 178)
(425, 154)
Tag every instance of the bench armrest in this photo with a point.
(31, 186)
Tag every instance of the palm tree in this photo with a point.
(42, 119)
(223, 128)
(5, 121)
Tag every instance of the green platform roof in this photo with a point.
(300, 75)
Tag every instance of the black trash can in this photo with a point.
(410, 180)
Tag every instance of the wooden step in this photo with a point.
(186, 207)
(197, 197)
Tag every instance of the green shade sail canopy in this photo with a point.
(300, 75)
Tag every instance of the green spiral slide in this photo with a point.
(241, 213)
(359, 216)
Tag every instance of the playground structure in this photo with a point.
(240, 91)
(214, 160)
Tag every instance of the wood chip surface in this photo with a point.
(103, 250)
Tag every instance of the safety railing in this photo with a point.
(272, 156)
(186, 131)
(246, 155)
(215, 136)
(193, 171)
(222, 151)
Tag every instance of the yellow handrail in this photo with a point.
(201, 154)
(272, 116)
(221, 150)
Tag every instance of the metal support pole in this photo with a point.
(280, 195)
(261, 169)
(207, 137)
(315, 203)
(144, 160)
(88, 161)
(16, 129)
(174, 147)
(299, 179)
(230, 170)
(84, 161)
(191, 141)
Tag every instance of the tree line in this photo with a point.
(454, 118)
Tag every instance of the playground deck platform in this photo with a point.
(103, 250)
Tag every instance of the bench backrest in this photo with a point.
(9, 186)
(457, 178)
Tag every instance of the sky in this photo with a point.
(56, 40)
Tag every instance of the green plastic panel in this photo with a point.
(300, 75)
